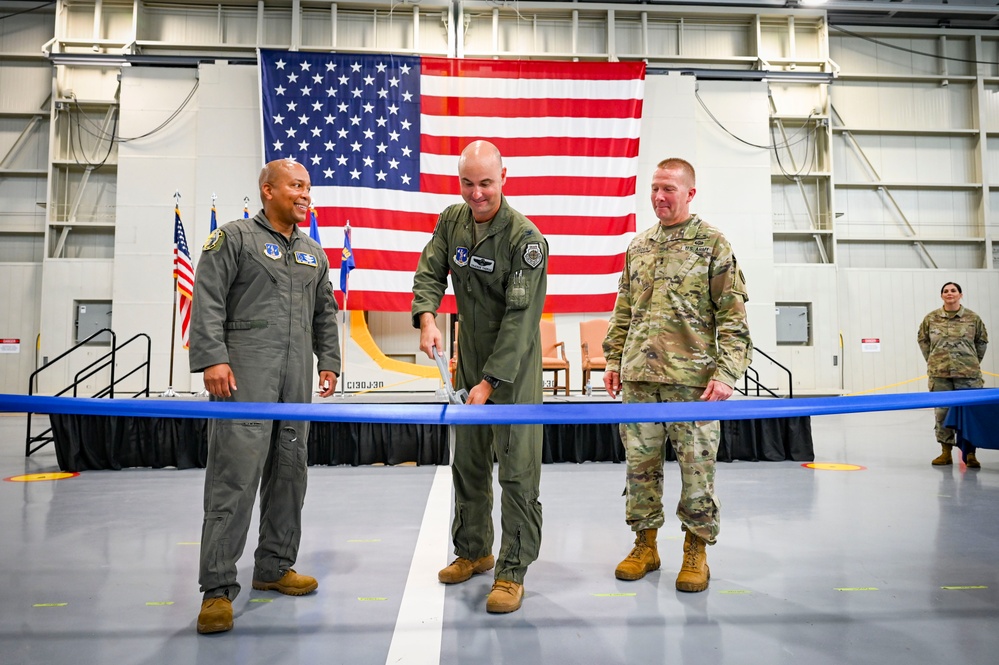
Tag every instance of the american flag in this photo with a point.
(381, 134)
(183, 273)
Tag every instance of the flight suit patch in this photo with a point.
(533, 256)
(214, 240)
(483, 264)
(461, 256)
(306, 259)
(272, 251)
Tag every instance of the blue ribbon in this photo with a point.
(551, 413)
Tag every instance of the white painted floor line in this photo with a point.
(417, 636)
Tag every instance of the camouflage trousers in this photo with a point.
(696, 447)
(945, 435)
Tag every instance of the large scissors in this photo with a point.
(453, 396)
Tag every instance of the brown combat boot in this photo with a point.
(644, 557)
(462, 569)
(694, 574)
(506, 596)
(972, 461)
(290, 584)
(215, 616)
(945, 457)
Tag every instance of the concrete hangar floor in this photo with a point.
(896, 562)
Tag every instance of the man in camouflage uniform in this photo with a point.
(953, 340)
(497, 260)
(678, 334)
(263, 306)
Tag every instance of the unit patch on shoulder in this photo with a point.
(533, 256)
(214, 240)
(306, 259)
(272, 251)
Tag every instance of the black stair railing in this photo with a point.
(108, 361)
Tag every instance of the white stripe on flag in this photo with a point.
(527, 167)
(433, 204)
(540, 128)
(415, 241)
(401, 281)
(520, 88)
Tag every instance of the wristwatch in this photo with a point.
(491, 380)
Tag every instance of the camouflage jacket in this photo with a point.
(680, 315)
(953, 343)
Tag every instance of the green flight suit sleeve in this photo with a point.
(325, 333)
(430, 281)
(213, 278)
(526, 289)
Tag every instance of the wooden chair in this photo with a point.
(551, 360)
(591, 341)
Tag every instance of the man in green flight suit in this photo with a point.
(262, 306)
(497, 260)
(678, 334)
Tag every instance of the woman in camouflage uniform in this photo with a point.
(953, 341)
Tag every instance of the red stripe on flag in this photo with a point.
(534, 147)
(529, 108)
(584, 226)
(406, 262)
(393, 220)
(548, 225)
(550, 185)
(585, 265)
(382, 301)
(533, 69)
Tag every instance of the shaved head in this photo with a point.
(481, 153)
(482, 176)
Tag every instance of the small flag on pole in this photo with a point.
(346, 259)
(183, 273)
(215, 221)
(246, 207)
(314, 226)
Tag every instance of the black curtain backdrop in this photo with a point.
(85, 443)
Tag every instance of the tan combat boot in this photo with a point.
(972, 461)
(644, 557)
(506, 596)
(215, 615)
(462, 569)
(290, 584)
(694, 574)
(944, 458)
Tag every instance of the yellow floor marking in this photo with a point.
(957, 588)
(189, 543)
(261, 600)
(50, 604)
(35, 477)
(833, 466)
(736, 592)
(159, 603)
(858, 588)
(362, 598)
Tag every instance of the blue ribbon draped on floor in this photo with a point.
(443, 414)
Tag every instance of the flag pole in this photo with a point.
(346, 324)
(169, 392)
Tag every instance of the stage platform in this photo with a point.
(86, 442)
